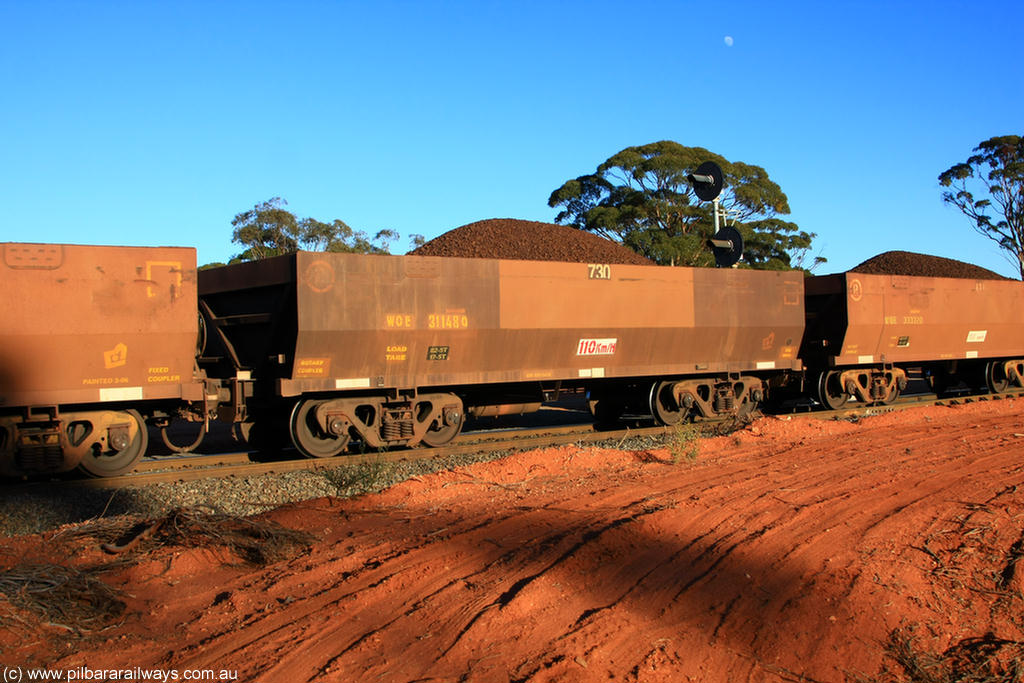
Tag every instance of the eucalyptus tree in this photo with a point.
(268, 229)
(641, 198)
(988, 188)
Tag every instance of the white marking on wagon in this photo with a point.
(357, 383)
(121, 394)
(976, 336)
(596, 347)
(765, 365)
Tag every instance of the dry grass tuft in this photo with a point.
(684, 442)
(105, 529)
(255, 542)
(984, 659)
(349, 480)
(64, 597)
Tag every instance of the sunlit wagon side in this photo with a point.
(397, 350)
(93, 340)
(865, 331)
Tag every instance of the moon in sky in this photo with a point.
(728, 41)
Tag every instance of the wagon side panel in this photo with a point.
(85, 324)
(901, 319)
(371, 322)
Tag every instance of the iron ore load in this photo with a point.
(324, 351)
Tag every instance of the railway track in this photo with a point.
(240, 464)
(190, 468)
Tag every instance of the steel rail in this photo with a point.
(195, 461)
(519, 440)
(194, 467)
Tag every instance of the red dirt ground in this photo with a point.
(793, 550)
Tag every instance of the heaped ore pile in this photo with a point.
(909, 263)
(509, 238)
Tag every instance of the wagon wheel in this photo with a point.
(125, 447)
(890, 397)
(995, 377)
(165, 436)
(663, 404)
(1015, 373)
(831, 392)
(309, 437)
(749, 405)
(445, 428)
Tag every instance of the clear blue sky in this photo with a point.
(154, 123)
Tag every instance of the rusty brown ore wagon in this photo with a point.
(321, 349)
(864, 331)
(396, 350)
(94, 341)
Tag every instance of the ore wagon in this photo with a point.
(865, 331)
(397, 350)
(93, 340)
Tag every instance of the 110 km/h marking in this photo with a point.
(596, 347)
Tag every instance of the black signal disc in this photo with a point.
(707, 191)
(725, 257)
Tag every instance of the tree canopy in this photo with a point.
(641, 198)
(988, 188)
(268, 229)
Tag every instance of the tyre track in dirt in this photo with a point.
(898, 506)
(786, 550)
(366, 575)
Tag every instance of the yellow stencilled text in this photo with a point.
(93, 381)
(447, 321)
(162, 374)
(400, 321)
(312, 367)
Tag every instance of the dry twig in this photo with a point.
(65, 597)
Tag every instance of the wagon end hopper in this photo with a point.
(487, 331)
(871, 327)
(89, 335)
